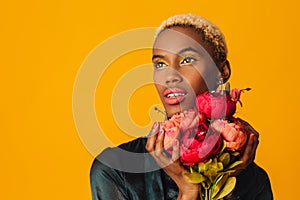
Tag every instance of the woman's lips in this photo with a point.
(174, 95)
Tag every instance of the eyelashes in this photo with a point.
(188, 60)
(160, 64)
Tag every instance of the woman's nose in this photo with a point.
(172, 78)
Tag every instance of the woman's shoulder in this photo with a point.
(137, 145)
(127, 157)
(108, 177)
(254, 183)
(256, 171)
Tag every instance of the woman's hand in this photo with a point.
(251, 146)
(172, 166)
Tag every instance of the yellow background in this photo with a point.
(43, 44)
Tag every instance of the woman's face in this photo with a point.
(183, 68)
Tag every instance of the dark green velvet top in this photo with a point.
(129, 172)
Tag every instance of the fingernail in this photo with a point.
(155, 125)
(160, 132)
(175, 142)
(252, 136)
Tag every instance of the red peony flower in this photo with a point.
(200, 131)
(233, 133)
(216, 105)
(193, 151)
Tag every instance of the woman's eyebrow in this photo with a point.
(188, 49)
(179, 53)
(157, 56)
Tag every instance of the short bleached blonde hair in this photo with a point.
(210, 33)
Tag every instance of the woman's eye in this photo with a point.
(159, 65)
(187, 60)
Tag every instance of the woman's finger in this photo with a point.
(151, 141)
(159, 155)
(250, 150)
(248, 127)
(159, 145)
(175, 153)
(248, 155)
(254, 146)
(247, 151)
(155, 145)
(252, 143)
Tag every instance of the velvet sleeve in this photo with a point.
(119, 176)
(266, 192)
(106, 183)
(108, 180)
(253, 184)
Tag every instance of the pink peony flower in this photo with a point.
(190, 119)
(187, 121)
(171, 128)
(216, 105)
(233, 133)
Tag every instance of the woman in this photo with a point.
(189, 58)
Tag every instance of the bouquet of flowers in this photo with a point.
(211, 141)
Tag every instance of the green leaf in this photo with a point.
(195, 177)
(209, 161)
(225, 159)
(205, 185)
(211, 174)
(223, 146)
(202, 167)
(216, 166)
(235, 164)
(213, 169)
(227, 189)
(228, 171)
(191, 169)
(221, 180)
(235, 153)
(220, 166)
(214, 163)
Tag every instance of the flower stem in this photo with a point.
(206, 194)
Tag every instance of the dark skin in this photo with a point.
(184, 65)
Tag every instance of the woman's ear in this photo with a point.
(225, 71)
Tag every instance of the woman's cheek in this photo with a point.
(158, 78)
